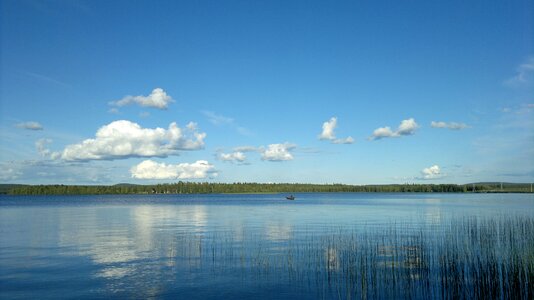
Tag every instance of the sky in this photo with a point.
(353, 92)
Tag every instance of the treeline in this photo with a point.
(221, 188)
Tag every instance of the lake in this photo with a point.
(328, 246)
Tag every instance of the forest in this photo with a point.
(244, 188)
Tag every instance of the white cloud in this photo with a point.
(237, 156)
(41, 144)
(406, 127)
(450, 125)
(54, 171)
(433, 172)
(150, 169)
(157, 99)
(329, 134)
(8, 173)
(124, 139)
(382, 132)
(31, 125)
(278, 152)
(328, 129)
(347, 140)
(524, 74)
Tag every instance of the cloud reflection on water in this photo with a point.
(132, 236)
(145, 250)
(432, 211)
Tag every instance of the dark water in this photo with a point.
(332, 246)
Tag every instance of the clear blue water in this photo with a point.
(217, 246)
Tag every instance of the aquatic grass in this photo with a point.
(469, 257)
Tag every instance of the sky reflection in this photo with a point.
(144, 250)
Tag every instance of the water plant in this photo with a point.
(468, 257)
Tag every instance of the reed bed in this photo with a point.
(463, 258)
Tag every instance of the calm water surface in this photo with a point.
(233, 246)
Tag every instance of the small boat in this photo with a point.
(290, 197)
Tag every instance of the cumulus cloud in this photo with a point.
(272, 152)
(31, 125)
(150, 169)
(524, 74)
(347, 140)
(124, 139)
(433, 172)
(382, 132)
(329, 134)
(238, 157)
(157, 99)
(278, 152)
(450, 125)
(406, 127)
(328, 129)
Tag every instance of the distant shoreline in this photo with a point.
(260, 188)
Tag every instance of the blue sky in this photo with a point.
(273, 90)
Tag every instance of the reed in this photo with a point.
(469, 257)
